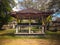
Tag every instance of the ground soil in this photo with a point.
(28, 42)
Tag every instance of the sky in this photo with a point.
(57, 14)
(18, 7)
(17, 0)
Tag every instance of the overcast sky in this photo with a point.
(17, 7)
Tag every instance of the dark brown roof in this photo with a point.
(30, 12)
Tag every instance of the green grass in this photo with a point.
(7, 31)
(9, 34)
(53, 33)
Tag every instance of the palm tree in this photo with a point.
(46, 22)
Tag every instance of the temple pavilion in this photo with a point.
(33, 21)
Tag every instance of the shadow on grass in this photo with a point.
(27, 36)
(53, 36)
(2, 29)
(54, 39)
(40, 36)
(7, 34)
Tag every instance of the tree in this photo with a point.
(37, 4)
(54, 5)
(5, 8)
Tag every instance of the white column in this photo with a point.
(42, 31)
(29, 25)
(39, 30)
(17, 26)
(29, 28)
(20, 25)
(39, 26)
(17, 29)
(13, 26)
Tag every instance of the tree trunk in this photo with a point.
(1, 25)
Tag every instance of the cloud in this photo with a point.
(16, 1)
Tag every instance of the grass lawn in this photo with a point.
(53, 33)
(10, 34)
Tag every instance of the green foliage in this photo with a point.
(5, 8)
(37, 4)
(53, 4)
(49, 19)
